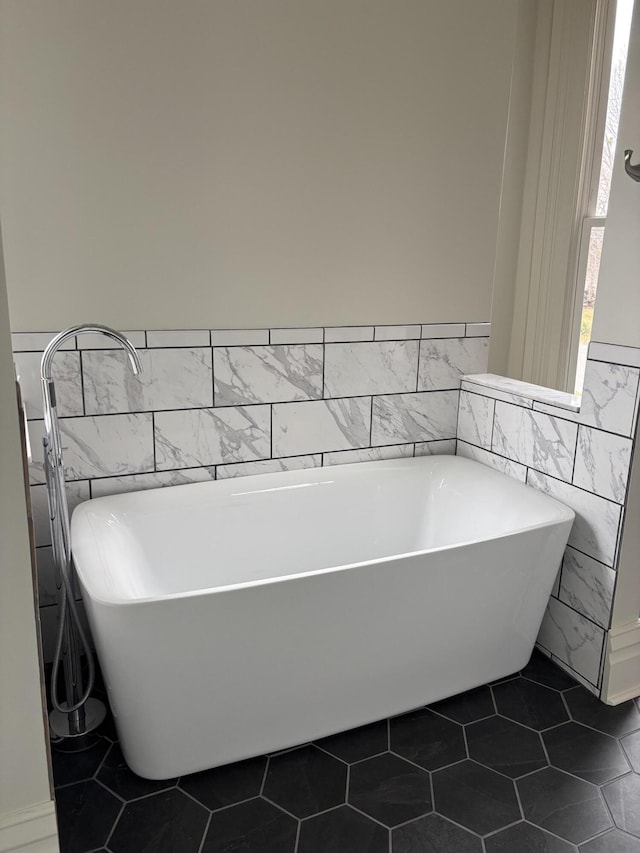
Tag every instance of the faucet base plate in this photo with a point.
(62, 726)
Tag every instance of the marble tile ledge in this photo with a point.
(527, 390)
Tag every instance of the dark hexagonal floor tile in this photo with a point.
(390, 789)
(623, 799)
(475, 797)
(505, 746)
(427, 739)
(525, 838)
(612, 842)
(71, 767)
(162, 823)
(255, 826)
(532, 704)
(562, 804)
(585, 753)
(86, 814)
(543, 670)
(631, 746)
(467, 707)
(305, 781)
(616, 720)
(344, 830)
(116, 775)
(228, 785)
(434, 834)
(357, 744)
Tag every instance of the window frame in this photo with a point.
(574, 41)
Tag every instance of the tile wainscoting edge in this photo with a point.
(579, 451)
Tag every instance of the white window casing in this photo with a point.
(571, 70)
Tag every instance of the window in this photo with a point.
(566, 180)
(593, 225)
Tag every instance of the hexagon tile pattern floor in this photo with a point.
(531, 764)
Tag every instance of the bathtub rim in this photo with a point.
(209, 591)
(564, 515)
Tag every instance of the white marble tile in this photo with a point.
(94, 340)
(37, 341)
(505, 396)
(158, 479)
(475, 419)
(297, 336)
(444, 361)
(77, 492)
(98, 446)
(414, 417)
(170, 379)
(66, 375)
(615, 354)
(444, 447)
(602, 463)
(211, 436)
(555, 589)
(526, 389)
(609, 397)
(505, 466)
(320, 426)
(269, 466)
(587, 586)
(443, 330)
(573, 639)
(540, 441)
(369, 454)
(595, 529)
(239, 337)
(608, 400)
(104, 445)
(345, 334)
(587, 684)
(478, 330)
(179, 338)
(397, 333)
(271, 374)
(381, 367)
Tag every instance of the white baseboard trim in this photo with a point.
(32, 830)
(621, 679)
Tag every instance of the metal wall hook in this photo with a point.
(632, 171)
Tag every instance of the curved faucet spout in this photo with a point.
(59, 340)
(71, 640)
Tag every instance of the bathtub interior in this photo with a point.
(209, 536)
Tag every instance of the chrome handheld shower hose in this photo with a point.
(78, 715)
(56, 499)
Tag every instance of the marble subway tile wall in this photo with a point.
(578, 451)
(213, 404)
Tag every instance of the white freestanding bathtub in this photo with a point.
(244, 616)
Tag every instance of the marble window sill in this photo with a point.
(537, 393)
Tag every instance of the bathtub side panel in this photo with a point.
(205, 680)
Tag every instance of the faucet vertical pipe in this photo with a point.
(69, 719)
